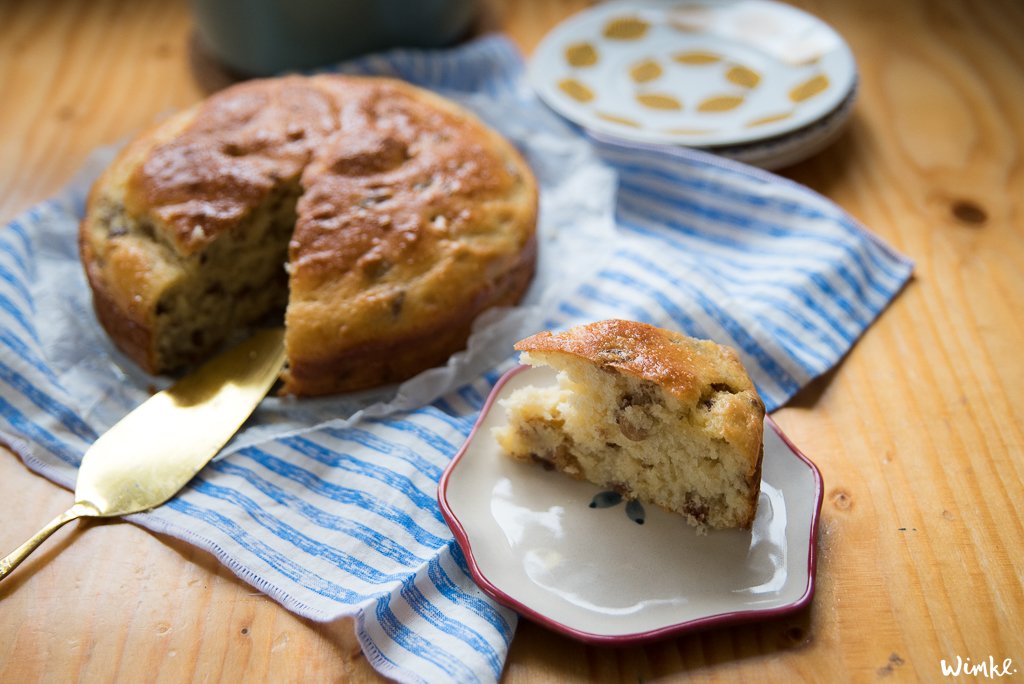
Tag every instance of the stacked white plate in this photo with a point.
(753, 80)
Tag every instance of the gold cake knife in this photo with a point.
(154, 451)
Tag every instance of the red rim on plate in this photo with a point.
(712, 620)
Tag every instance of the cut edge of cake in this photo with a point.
(657, 416)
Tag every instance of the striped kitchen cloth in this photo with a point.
(329, 505)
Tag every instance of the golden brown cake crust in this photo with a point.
(236, 147)
(687, 368)
(682, 365)
(616, 425)
(413, 218)
(430, 345)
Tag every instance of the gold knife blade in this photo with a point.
(151, 453)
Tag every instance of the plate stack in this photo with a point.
(753, 80)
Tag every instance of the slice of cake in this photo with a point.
(656, 415)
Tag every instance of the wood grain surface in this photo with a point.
(918, 432)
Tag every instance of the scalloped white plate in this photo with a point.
(535, 544)
(694, 72)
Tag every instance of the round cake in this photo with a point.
(380, 217)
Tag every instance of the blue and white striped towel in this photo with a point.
(334, 514)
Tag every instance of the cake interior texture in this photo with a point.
(626, 433)
(208, 295)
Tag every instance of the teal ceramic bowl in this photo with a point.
(266, 37)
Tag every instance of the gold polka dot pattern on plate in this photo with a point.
(659, 101)
(690, 18)
(576, 90)
(581, 55)
(684, 26)
(720, 103)
(625, 69)
(626, 28)
(809, 88)
(689, 131)
(807, 61)
(743, 76)
(696, 58)
(645, 70)
(771, 118)
(621, 120)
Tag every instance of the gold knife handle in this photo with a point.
(14, 559)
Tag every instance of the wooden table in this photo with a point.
(918, 432)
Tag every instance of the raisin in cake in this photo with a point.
(658, 416)
(384, 217)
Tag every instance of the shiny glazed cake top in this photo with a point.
(377, 164)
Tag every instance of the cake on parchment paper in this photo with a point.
(384, 217)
